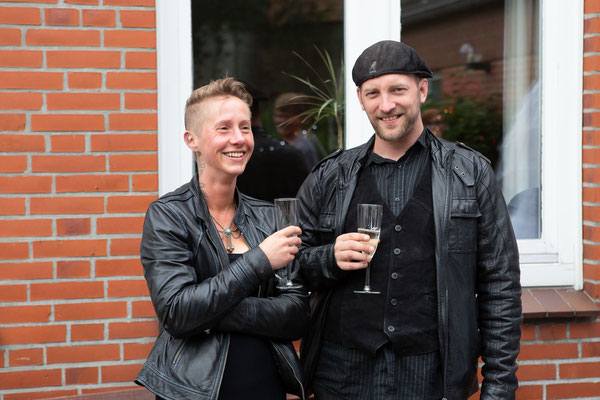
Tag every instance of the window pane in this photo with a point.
(485, 91)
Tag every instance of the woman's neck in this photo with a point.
(219, 196)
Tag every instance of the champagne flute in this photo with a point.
(286, 214)
(369, 222)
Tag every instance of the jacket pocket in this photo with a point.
(464, 215)
(288, 365)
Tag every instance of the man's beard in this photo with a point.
(410, 119)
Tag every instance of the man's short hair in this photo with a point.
(216, 88)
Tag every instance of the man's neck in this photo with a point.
(395, 150)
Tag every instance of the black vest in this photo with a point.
(402, 269)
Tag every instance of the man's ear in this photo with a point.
(190, 140)
(423, 89)
(359, 98)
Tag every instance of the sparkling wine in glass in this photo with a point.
(369, 222)
(286, 214)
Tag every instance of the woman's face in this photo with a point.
(222, 137)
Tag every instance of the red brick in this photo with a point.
(24, 357)
(67, 143)
(591, 213)
(591, 25)
(579, 370)
(21, 58)
(142, 309)
(591, 194)
(133, 162)
(2, 352)
(24, 314)
(133, 122)
(26, 270)
(133, 38)
(46, 394)
(67, 122)
(83, 101)
(138, 18)
(73, 226)
(144, 182)
(25, 184)
(529, 392)
(132, 330)
(536, 372)
(25, 227)
(12, 206)
(118, 267)
(125, 142)
(97, 310)
(591, 82)
(73, 269)
(12, 292)
(98, 18)
(591, 156)
(62, 37)
(12, 122)
(591, 138)
(124, 247)
(66, 205)
(140, 59)
(83, 59)
(127, 288)
(112, 225)
(552, 331)
(590, 349)
(136, 351)
(21, 142)
(84, 332)
(125, 204)
(61, 16)
(130, 3)
(81, 376)
(92, 183)
(585, 330)
(70, 248)
(572, 390)
(10, 37)
(591, 44)
(120, 373)
(590, 175)
(78, 354)
(591, 272)
(37, 80)
(129, 80)
(23, 101)
(31, 1)
(12, 165)
(592, 289)
(88, 2)
(75, 163)
(14, 251)
(30, 379)
(552, 351)
(85, 80)
(66, 290)
(20, 16)
(528, 332)
(591, 6)
(34, 334)
(140, 101)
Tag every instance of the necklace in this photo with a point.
(228, 233)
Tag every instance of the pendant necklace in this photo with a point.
(228, 233)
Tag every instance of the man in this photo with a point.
(447, 263)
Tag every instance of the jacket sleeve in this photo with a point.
(317, 260)
(183, 305)
(283, 316)
(498, 290)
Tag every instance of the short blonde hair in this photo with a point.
(217, 88)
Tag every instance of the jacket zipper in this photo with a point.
(179, 350)
(222, 371)
(443, 305)
(292, 369)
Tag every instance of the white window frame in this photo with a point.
(553, 260)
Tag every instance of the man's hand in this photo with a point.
(282, 246)
(348, 251)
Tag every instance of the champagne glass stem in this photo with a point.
(288, 279)
(368, 277)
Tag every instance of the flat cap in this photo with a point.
(389, 57)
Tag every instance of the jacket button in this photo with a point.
(394, 275)
(397, 251)
(394, 302)
(391, 328)
(398, 228)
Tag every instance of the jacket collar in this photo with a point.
(201, 208)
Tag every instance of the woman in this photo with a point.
(209, 255)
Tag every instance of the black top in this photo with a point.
(250, 371)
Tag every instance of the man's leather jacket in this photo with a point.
(198, 298)
(477, 264)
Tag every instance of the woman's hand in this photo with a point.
(282, 246)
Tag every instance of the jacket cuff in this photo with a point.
(260, 263)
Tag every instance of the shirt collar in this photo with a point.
(422, 143)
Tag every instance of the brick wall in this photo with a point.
(78, 168)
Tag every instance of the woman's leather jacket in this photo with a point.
(199, 298)
(477, 264)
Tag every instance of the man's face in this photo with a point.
(222, 136)
(393, 105)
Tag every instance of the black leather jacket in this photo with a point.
(198, 298)
(477, 264)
